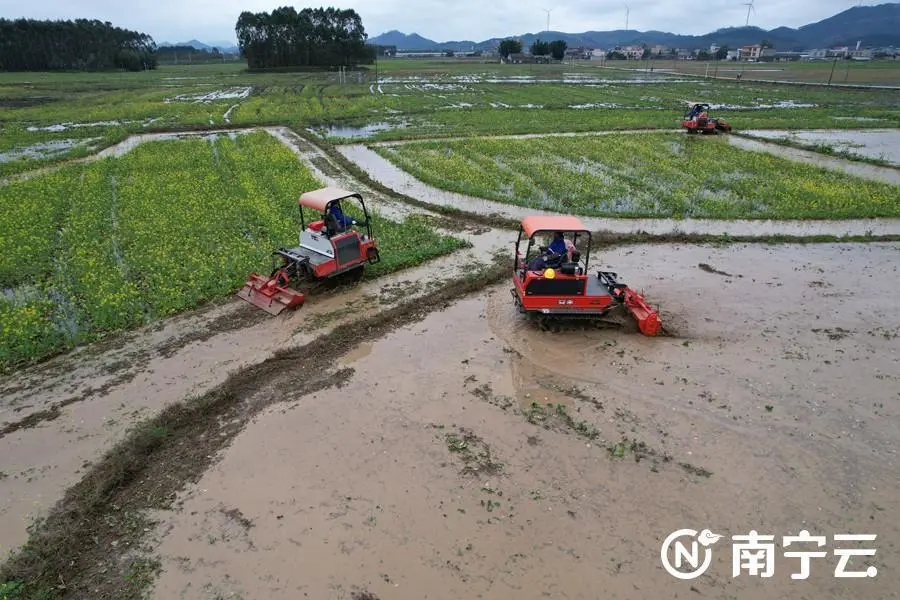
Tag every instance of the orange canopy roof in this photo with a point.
(535, 224)
(318, 199)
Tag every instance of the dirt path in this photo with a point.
(771, 410)
(382, 170)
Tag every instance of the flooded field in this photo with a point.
(385, 172)
(42, 150)
(413, 435)
(769, 410)
(882, 144)
(357, 131)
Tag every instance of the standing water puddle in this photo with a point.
(858, 169)
(881, 144)
(42, 150)
(356, 131)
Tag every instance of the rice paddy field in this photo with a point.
(47, 117)
(91, 249)
(129, 199)
(844, 72)
(102, 246)
(647, 175)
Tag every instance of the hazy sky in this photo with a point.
(439, 20)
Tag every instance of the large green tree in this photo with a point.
(540, 48)
(558, 49)
(32, 45)
(313, 37)
(508, 47)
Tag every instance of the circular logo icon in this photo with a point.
(689, 554)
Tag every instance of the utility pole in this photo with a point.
(833, 65)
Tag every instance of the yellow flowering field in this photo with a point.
(96, 248)
(647, 175)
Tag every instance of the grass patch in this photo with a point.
(652, 175)
(474, 452)
(97, 248)
(550, 416)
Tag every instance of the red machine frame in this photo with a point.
(703, 123)
(325, 250)
(568, 290)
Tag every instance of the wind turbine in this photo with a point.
(627, 11)
(548, 11)
(749, 6)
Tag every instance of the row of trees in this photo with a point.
(31, 45)
(320, 37)
(189, 55)
(556, 48)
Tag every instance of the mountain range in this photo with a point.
(874, 26)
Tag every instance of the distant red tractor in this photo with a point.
(327, 248)
(554, 281)
(697, 120)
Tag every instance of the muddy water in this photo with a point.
(866, 171)
(102, 389)
(782, 382)
(43, 149)
(881, 144)
(392, 176)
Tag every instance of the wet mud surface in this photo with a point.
(58, 417)
(436, 468)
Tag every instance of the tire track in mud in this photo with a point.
(89, 536)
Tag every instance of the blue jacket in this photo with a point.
(558, 246)
(342, 219)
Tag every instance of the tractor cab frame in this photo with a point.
(327, 247)
(697, 120)
(553, 285)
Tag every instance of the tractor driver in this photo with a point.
(552, 254)
(341, 221)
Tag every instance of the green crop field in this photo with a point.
(93, 248)
(650, 175)
(843, 72)
(89, 249)
(48, 117)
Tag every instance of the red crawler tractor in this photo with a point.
(697, 120)
(555, 282)
(327, 248)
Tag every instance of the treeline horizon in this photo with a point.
(80, 44)
(313, 37)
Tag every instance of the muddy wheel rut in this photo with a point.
(144, 471)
